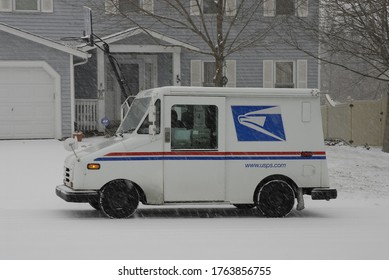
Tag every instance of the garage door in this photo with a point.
(27, 107)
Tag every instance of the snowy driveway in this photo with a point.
(35, 224)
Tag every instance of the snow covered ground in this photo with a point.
(36, 224)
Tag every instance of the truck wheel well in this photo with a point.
(142, 196)
(275, 177)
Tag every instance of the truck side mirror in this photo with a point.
(70, 144)
(152, 129)
(152, 114)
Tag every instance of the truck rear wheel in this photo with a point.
(275, 199)
(119, 199)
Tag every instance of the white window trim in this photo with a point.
(194, 9)
(6, 5)
(230, 72)
(197, 78)
(301, 9)
(43, 6)
(148, 5)
(111, 6)
(302, 73)
(196, 73)
(47, 6)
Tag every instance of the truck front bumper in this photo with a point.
(323, 194)
(71, 195)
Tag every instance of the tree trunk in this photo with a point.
(385, 146)
(218, 79)
(219, 52)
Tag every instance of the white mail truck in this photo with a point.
(247, 147)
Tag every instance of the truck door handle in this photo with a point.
(167, 134)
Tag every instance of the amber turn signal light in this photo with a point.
(93, 166)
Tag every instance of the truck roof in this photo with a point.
(229, 92)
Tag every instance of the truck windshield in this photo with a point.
(135, 114)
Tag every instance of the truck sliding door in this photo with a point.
(194, 165)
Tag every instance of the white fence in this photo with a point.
(86, 114)
(357, 122)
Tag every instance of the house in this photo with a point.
(36, 85)
(37, 56)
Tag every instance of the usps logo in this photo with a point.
(258, 123)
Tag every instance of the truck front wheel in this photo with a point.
(275, 199)
(119, 199)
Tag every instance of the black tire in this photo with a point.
(119, 199)
(275, 199)
(244, 206)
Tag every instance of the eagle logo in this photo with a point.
(258, 123)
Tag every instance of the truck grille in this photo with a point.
(67, 176)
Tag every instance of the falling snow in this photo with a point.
(35, 224)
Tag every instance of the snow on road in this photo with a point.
(36, 224)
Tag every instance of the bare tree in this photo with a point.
(357, 31)
(352, 29)
(222, 27)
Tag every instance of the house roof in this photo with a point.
(167, 40)
(42, 40)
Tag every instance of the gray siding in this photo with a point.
(165, 70)
(16, 48)
(249, 62)
(67, 21)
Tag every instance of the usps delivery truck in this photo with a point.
(248, 147)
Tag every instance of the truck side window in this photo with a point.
(194, 127)
(144, 128)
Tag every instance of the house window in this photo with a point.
(285, 7)
(273, 8)
(44, 6)
(209, 7)
(284, 74)
(209, 74)
(202, 73)
(129, 6)
(26, 5)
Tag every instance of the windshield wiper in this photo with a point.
(121, 132)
